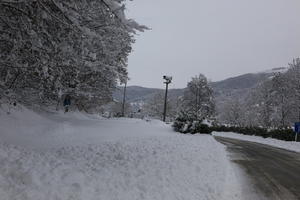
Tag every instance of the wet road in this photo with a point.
(274, 172)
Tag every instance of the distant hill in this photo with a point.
(240, 86)
(235, 87)
(136, 94)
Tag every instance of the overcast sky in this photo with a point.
(219, 38)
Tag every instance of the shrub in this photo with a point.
(280, 134)
(178, 126)
(283, 134)
(185, 126)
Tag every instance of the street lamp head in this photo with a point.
(168, 78)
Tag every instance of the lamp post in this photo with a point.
(168, 80)
(124, 99)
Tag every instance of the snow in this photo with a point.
(292, 146)
(60, 156)
(274, 70)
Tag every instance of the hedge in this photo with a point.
(280, 134)
(197, 127)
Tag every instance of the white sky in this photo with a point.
(219, 38)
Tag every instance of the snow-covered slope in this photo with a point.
(76, 156)
(274, 70)
(55, 130)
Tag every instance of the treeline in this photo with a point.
(49, 49)
(273, 104)
(270, 109)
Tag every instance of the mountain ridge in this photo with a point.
(232, 87)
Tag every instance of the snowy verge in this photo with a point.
(292, 146)
(76, 156)
(53, 130)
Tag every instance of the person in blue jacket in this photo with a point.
(67, 102)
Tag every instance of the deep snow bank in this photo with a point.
(76, 156)
(292, 146)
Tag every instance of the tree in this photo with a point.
(281, 96)
(261, 104)
(198, 101)
(233, 113)
(51, 48)
(293, 77)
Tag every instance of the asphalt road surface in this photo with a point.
(274, 172)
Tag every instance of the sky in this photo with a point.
(218, 38)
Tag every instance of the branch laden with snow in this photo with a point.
(54, 47)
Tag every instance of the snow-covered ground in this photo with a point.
(292, 146)
(75, 156)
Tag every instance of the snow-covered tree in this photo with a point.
(293, 77)
(261, 104)
(52, 48)
(198, 101)
(281, 98)
(273, 103)
(233, 113)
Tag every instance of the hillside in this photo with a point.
(234, 87)
(140, 94)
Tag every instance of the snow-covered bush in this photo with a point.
(184, 124)
(280, 134)
(199, 127)
(198, 101)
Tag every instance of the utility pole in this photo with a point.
(167, 82)
(124, 99)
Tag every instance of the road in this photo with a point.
(274, 172)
